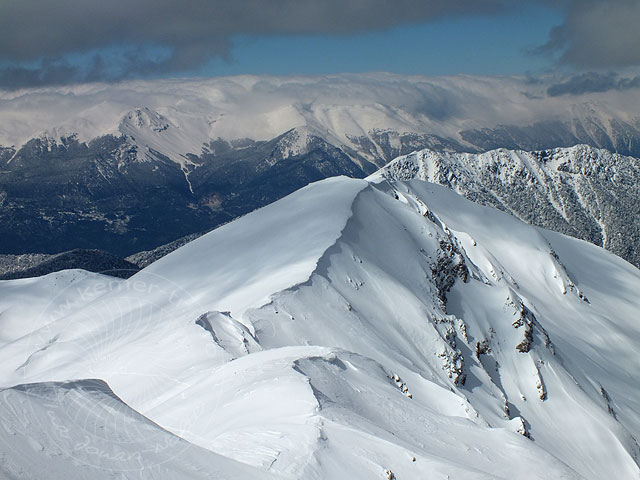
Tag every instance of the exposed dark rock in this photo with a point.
(482, 348)
(449, 266)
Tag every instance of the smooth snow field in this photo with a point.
(356, 329)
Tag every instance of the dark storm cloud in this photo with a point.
(192, 31)
(598, 34)
(37, 37)
(36, 28)
(59, 71)
(51, 72)
(591, 82)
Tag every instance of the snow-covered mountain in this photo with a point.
(108, 167)
(581, 191)
(354, 329)
(373, 117)
(114, 195)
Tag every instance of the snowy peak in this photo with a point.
(143, 118)
(321, 210)
(157, 137)
(295, 142)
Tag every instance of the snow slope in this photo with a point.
(352, 329)
(106, 437)
(31, 303)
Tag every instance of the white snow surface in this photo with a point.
(81, 429)
(351, 328)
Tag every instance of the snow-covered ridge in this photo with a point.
(242, 272)
(438, 336)
(582, 191)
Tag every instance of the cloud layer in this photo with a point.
(31, 29)
(190, 32)
(592, 82)
(598, 34)
(38, 38)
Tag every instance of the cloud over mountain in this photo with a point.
(592, 82)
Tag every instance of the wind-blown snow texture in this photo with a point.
(61, 417)
(353, 329)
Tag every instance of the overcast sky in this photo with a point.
(65, 41)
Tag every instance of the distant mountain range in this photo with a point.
(581, 191)
(129, 167)
(67, 194)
